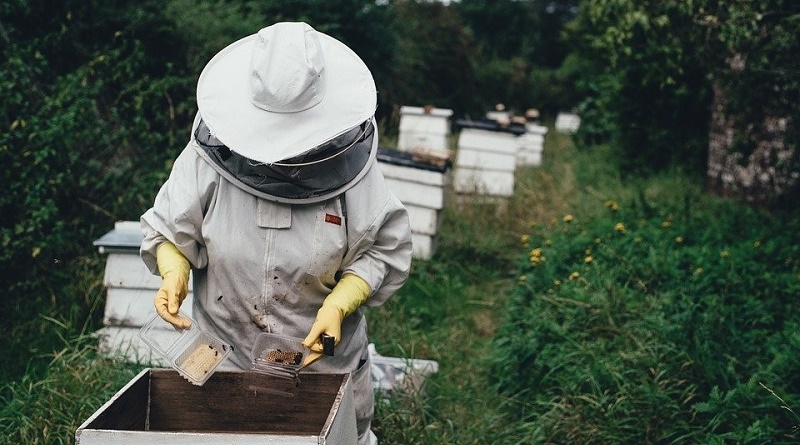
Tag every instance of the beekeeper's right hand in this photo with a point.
(174, 269)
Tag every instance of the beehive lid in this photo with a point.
(490, 125)
(125, 237)
(426, 110)
(406, 159)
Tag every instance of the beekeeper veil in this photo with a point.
(287, 113)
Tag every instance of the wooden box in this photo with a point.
(485, 162)
(475, 181)
(487, 150)
(159, 406)
(531, 145)
(423, 127)
(567, 122)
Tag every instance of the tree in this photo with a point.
(89, 106)
(660, 61)
(433, 62)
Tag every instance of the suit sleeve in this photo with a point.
(381, 250)
(178, 210)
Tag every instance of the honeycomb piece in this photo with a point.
(201, 361)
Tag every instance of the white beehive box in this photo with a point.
(421, 188)
(159, 407)
(502, 117)
(486, 161)
(567, 122)
(423, 128)
(130, 290)
(531, 145)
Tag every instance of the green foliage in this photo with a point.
(433, 61)
(553, 90)
(665, 313)
(648, 89)
(661, 61)
(92, 109)
(518, 54)
(753, 45)
(446, 312)
(491, 21)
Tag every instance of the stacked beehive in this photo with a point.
(421, 186)
(130, 289)
(486, 158)
(424, 129)
(531, 144)
(567, 122)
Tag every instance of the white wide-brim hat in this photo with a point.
(283, 91)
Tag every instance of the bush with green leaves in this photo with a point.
(654, 65)
(656, 323)
(93, 109)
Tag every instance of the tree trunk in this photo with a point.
(768, 171)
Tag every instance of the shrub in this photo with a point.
(93, 108)
(655, 323)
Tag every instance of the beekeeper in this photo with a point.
(278, 206)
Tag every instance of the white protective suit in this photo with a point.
(261, 265)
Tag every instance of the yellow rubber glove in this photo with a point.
(349, 293)
(174, 269)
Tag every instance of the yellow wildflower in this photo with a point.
(588, 259)
(523, 278)
(568, 218)
(757, 244)
(666, 224)
(524, 239)
(574, 276)
(612, 205)
(548, 243)
(679, 239)
(725, 254)
(619, 227)
(556, 283)
(537, 252)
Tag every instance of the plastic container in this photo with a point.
(276, 363)
(278, 355)
(194, 353)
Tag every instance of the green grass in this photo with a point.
(681, 329)
(48, 410)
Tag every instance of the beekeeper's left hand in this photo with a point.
(349, 293)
